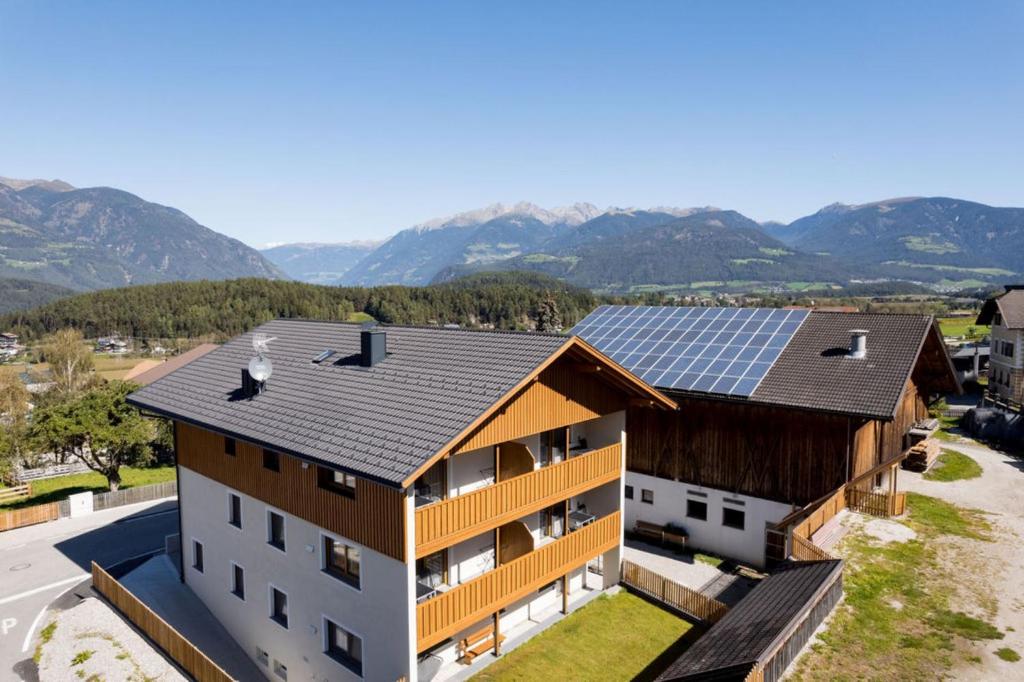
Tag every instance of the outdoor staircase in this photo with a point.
(829, 535)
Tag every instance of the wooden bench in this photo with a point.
(476, 643)
(665, 535)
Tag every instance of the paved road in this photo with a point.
(40, 562)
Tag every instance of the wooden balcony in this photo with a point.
(447, 522)
(466, 605)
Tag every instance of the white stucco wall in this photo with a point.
(378, 612)
(470, 471)
(745, 545)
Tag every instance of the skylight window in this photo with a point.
(325, 355)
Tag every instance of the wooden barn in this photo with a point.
(777, 409)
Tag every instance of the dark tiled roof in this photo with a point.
(162, 369)
(814, 372)
(1010, 305)
(382, 422)
(731, 647)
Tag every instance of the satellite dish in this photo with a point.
(260, 368)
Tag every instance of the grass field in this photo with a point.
(963, 326)
(54, 489)
(898, 620)
(109, 367)
(953, 466)
(621, 637)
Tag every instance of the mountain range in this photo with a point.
(102, 237)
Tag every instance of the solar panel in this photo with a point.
(712, 350)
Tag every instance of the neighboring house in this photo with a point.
(148, 371)
(777, 409)
(8, 340)
(971, 361)
(393, 499)
(1005, 313)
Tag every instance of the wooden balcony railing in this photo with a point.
(447, 522)
(461, 607)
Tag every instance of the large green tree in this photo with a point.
(97, 427)
(70, 361)
(14, 406)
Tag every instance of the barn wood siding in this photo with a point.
(374, 518)
(560, 396)
(877, 442)
(778, 454)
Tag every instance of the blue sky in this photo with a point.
(285, 122)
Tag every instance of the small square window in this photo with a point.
(696, 509)
(197, 555)
(629, 492)
(229, 446)
(343, 647)
(275, 530)
(279, 607)
(733, 518)
(238, 581)
(646, 496)
(271, 460)
(336, 481)
(341, 561)
(234, 510)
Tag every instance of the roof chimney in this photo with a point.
(858, 343)
(372, 346)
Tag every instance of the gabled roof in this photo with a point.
(156, 370)
(1010, 305)
(808, 368)
(733, 645)
(383, 422)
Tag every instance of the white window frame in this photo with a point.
(231, 581)
(324, 643)
(284, 530)
(241, 523)
(270, 606)
(323, 561)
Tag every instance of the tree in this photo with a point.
(548, 317)
(70, 361)
(14, 406)
(99, 428)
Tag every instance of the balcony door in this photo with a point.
(554, 445)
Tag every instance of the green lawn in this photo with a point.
(621, 637)
(963, 326)
(54, 489)
(898, 620)
(953, 466)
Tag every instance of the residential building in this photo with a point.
(1005, 313)
(392, 500)
(8, 340)
(777, 409)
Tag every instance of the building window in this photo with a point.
(278, 607)
(229, 446)
(234, 510)
(1008, 349)
(275, 530)
(197, 555)
(552, 446)
(552, 521)
(695, 509)
(336, 481)
(646, 496)
(997, 319)
(271, 460)
(629, 492)
(733, 518)
(238, 581)
(341, 561)
(343, 646)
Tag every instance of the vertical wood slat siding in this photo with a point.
(182, 651)
(444, 523)
(461, 607)
(375, 518)
(877, 442)
(28, 516)
(560, 396)
(876, 504)
(677, 596)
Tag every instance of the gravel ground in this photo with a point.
(103, 645)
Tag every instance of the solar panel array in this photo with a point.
(711, 350)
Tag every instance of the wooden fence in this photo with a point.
(28, 516)
(821, 515)
(876, 504)
(14, 493)
(672, 593)
(183, 652)
(142, 493)
(51, 471)
(805, 550)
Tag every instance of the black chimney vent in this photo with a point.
(372, 346)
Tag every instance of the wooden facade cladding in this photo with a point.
(447, 522)
(450, 612)
(374, 517)
(561, 395)
(877, 442)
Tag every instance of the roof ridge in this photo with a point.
(430, 327)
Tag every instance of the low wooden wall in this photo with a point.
(877, 504)
(182, 651)
(15, 493)
(28, 516)
(673, 594)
